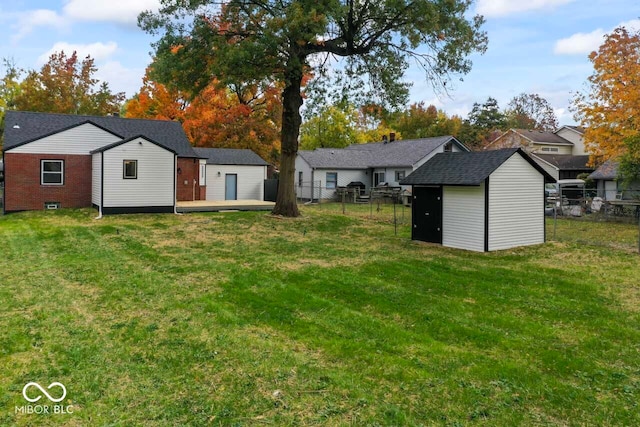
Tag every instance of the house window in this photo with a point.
(448, 147)
(399, 176)
(130, 170)
(378, 178)
(300, 179)
(550, 149)
(52, 172)
(332, 180)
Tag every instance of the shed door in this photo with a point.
(231, 186)
(427, 214)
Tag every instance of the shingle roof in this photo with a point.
(566, 161)
(470, 168)
(403, 153)
(23, 127)
(543, 137)
(608, 170)
(230, 156)
(578, 129)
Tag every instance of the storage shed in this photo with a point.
(479, 201)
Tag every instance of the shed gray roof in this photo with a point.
(566, 161)
(402, 153)
(470, 168)
(22, 127)
(230, 156)
(607, 171)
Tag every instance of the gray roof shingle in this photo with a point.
(22, 127)
(470, 168)
(230, 156)
(543, 137)
(566, 161)
(607, 171)
(402, 153)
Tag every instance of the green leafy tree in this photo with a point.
(283, 40)
(9, 90)
(482, 123)
(531, 111)
(419, 121)
(333, 127)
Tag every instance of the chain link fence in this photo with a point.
(383, 204)
(570, 218)
(591, 220)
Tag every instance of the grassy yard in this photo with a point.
(246, 319)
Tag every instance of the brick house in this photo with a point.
(117, 165)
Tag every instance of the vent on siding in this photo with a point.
(51, 205)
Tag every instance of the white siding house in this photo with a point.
(134, 178)
(96, 179)
(371, 164)
(481, 201)
(575, 135)
(233, 174)
(249, 181)
(79, 140)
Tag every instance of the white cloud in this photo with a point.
(118, 11)
(585, 43)
(98, 51)
(28, 21)
(499, 8)
(120, 78)
(579, 43)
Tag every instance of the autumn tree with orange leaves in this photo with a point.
(223, 117)
(610, 110)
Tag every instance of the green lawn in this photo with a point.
(246, 319)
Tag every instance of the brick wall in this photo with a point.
(189, 170)
(22, 182)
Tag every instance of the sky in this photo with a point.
(535, 46)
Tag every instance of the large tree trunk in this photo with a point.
(286, 204)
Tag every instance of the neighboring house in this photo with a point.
(533, 141)
(116, 164)
(563, 166)
(321, 171)
(610, 186)
(561, 153)
(575, 135)
(479, 201)
(1, 171)
(233, 174)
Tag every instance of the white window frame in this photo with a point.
(333, 184)
(550, 149)
(124, 169)
(43, 172)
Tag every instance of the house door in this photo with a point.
(231, 186)
(427, 214)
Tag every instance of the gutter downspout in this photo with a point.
(175, 185)
(101, 185)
